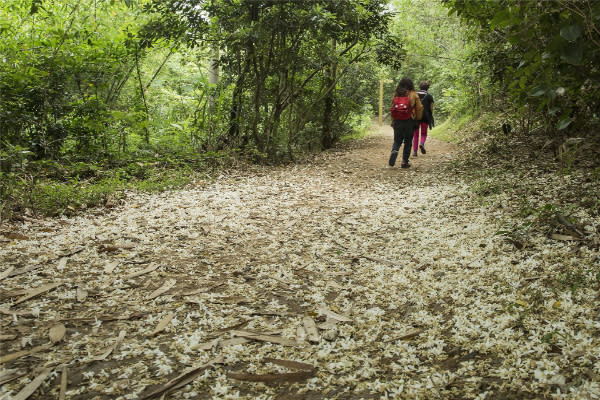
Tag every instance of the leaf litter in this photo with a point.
(334, 277)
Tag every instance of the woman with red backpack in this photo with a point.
(406, 111)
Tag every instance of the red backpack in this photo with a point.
(401, 108)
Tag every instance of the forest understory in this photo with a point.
(465, 276)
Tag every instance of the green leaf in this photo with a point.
(553, 110)
(571, 32)
(501, 19)
(563, 123)
(538, 91)
(572, 55)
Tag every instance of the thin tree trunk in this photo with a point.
(137, 66)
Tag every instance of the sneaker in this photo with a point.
(407, 165)
(415, 154)
(422, 147)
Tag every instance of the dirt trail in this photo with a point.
(413, 294)
(370, 155)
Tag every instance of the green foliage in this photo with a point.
(541, 55)
(436, 51)
(62, 67)
(282, 64)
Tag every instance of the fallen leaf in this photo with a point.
(409, 335)
(4, 338)
(265, 338)
(10, 312)
(23, 353)
(57, 333)
(300, 334)
(140, 273)
(201, 290)
(102, 356)
(183, 379)
(8, 375)
(312, 334)
(37, 291)
(291, 364)
(32, 386)
(22, 271)
(62, 263)
(285, 377)
(6, 273)
(81, 294)
(168, 285)
(63, 384)
(557, 236)
(330, 314)
(15, 236)
(163, 324)
(110, 267)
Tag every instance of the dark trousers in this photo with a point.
(403, 133)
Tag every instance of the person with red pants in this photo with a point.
(427, 120)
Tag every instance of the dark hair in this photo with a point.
(405, 85)
(424, 85)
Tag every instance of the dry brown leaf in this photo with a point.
(62, 263)
(142, 272)
(15, 236)
(329, 324)
(81, 294)
(63, 384)
(6, 273)
(409, 335)
(291, 364)
(233, 341)
(32, 386)
(37, 291)
(220, 343)
(22, 271)
(10, 312)
(285, 377)
(22, 353)
(182, 379)
(330, 314)
(10, 375)
(4, 338)
(110, 267)
(231, 300)
(300, 334)
(163, 324)
(557, 236)
(107, 249)
(102, 356)
(265, 338)
(312, 334)
(207, 345)
(202, 290)
(166, 286)
(57, 333)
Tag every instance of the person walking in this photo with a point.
(405, 111)
(427, 120)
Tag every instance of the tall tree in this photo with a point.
(276, 53)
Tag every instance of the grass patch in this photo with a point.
(449, 130)
(40, 191)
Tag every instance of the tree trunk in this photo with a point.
(328, 137)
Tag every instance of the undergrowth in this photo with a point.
(537, 186)
(49, 188)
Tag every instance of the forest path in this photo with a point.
(400, 270)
